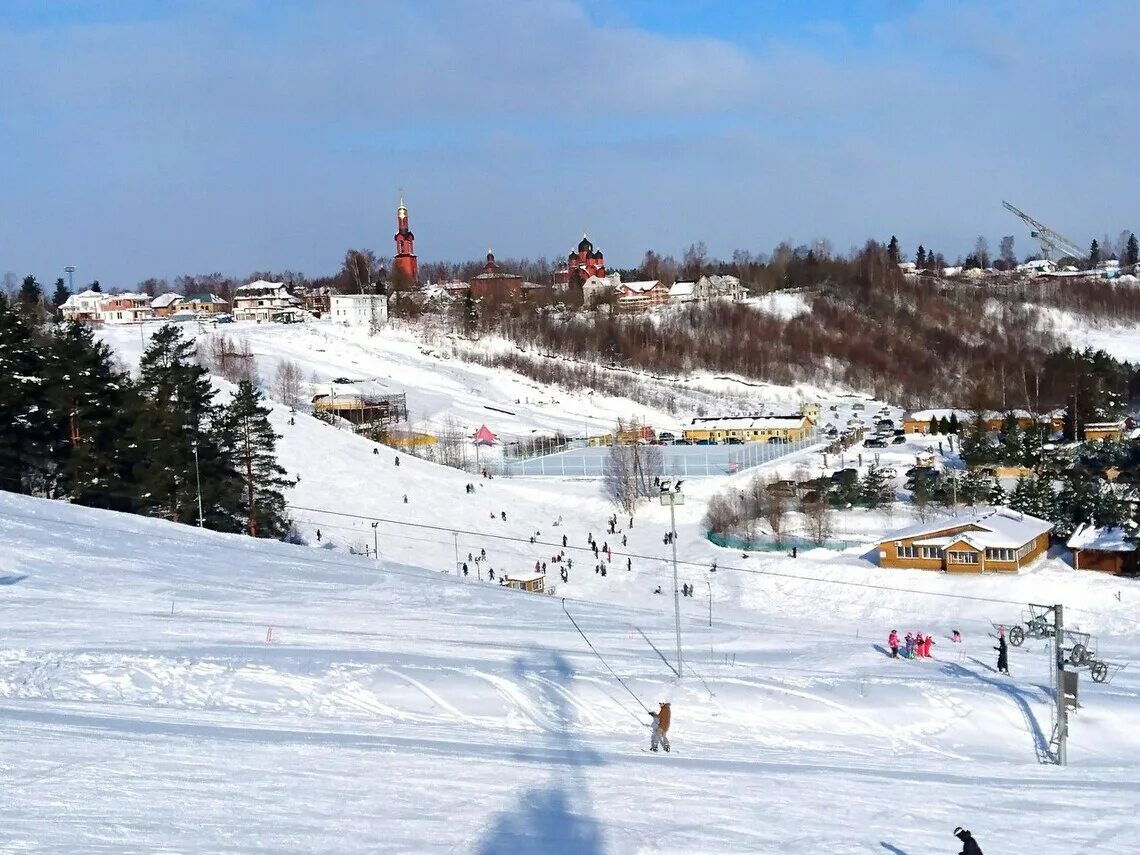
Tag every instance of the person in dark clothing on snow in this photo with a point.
(318, 535)
(503, 514)
(464, 568)
(623, 540)
(491, 574)
(1003, 654)
(969, 844)
(563, 541)
(397, 460)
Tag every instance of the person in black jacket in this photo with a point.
(1003, 654)
(969, 844)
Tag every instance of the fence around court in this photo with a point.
(784, 545)
(677, 461)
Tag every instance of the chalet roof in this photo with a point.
(164, 300)
(751, 422)
(207, 298)
(641, 287)
(259, 287)
(998, 528)
(682, 289)
(1106, 539)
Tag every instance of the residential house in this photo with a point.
(85, 306)
(1037, 267)
(266, 302)
(205, 304)
(997, 541)
(165, 305)
(1106, 550)
(126, 309)
(749, 429)
(683, 292)
(723, 285)
(919, 421)
(1113, 431)
(595, 288)
(640, 296)
(359, 310)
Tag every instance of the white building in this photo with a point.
(83, 307)
(359, 310)
(597, 287)
(709, 287)
(1037, 267)
(683, 292)
(266, 302)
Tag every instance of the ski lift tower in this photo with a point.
(1051, 241)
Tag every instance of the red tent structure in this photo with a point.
(483, 436)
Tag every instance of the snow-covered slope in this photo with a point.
(398, 709)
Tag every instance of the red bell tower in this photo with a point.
(405, 263)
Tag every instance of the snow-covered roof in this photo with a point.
(164, 300)
(134, 298)
(682, 289)
(965, 415)
(1107, 539)
(259, 287)
(998, 528)
(523, 577)
(1038, 264)
(641, 287)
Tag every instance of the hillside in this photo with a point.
(400, 709)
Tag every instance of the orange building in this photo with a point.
(405, 262)
(998, 541)
(581, 265)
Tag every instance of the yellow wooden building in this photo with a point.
(750, 429)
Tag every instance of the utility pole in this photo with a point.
(70, 269)
(198, 481)
(672, 496)
(375, 541)
(710, 601)
(1059, 675)
(455, 535)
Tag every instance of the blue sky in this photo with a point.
(156, 138)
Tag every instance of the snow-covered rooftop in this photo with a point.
(999, 528)
(1107, 539)
(682, 289)
(164, 300)
(641, 286)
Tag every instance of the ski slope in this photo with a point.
(400, 709)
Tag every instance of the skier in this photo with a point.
(564, 574)
(605, 546)
(483, 552)
(464, 568)
(661, 720)
(969, 844)
(536, 566)
(926, 644)
(1003, 654)
(909, 645)
(628, 564)
(631, 522)
(503, 514)
(893, 643)
(623, 540)
(491, 574)
(318, 535)
(563, 541)
(603, 571)
(397, 461)
(657, 590)
(956, 637)
(405, 498)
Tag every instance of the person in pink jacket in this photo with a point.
(929, 640)
(893, 643)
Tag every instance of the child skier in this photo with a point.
(661, 720)
(893, 643)
(909, 642)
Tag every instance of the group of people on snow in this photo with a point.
(915, 645)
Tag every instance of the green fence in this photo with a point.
(785, 544)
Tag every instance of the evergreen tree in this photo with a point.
(893, 250)
(944, 425)
(23, 425)
(263, 480)
(874, 490)
(934, 425)
(180, 440)
(31, 299)
(60, 295)
(1094, 253)
(920, 258)
(953, 425)
(1010, 442)
(1132, 251)
(996, 494)
(96, 287)
(90, 407)
(973, 487)
(470, 314)
(1077, 503)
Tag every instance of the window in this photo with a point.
(957, 557)
(932, 552)
(905, 551)
(999, 555)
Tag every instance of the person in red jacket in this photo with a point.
(893, 643)
(926, 646)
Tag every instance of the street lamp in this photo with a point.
(672, 496)
(70, 269)
(375, 542)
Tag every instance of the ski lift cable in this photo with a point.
(608, 668)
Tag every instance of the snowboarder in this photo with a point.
(969, 844)
(1003, 654)
(893, 643)
(661, 720)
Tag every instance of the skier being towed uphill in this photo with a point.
(661, 721)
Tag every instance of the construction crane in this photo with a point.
(1050, 240)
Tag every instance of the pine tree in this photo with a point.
(893, 250)
(953, 426)
(1094, 253)
(873, 490)
(973, 487)
(1010, 441)
(920, 258)
(179, 438)
(263, 479)
(91, 407)
(1132, 251)
(944, 425)
(23, 425)
(60, 295)
(934, 425)
(31, 299)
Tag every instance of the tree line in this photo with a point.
(80, 429)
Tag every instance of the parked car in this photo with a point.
(706, 442)
(682, 441)
(224, 319)
(840, 474)
(778, 439)
(665, 436)
(888, 472)
(734, 440)
(874, 443)
(898, 440)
